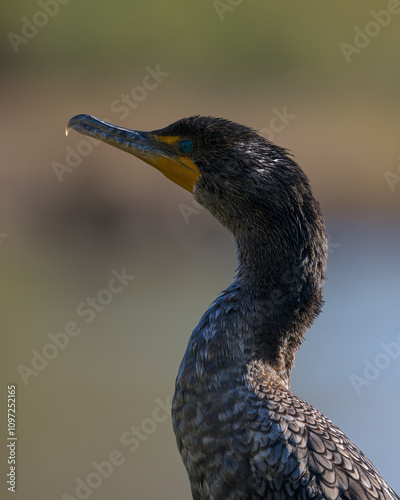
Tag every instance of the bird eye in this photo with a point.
(185, 146)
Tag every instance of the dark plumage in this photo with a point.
(241, 432)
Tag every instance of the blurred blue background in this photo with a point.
(320, 79)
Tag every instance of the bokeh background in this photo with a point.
(62, 234)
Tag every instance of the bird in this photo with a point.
(240, 431)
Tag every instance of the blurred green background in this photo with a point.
(248, 61)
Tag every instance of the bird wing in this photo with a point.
(299, 453)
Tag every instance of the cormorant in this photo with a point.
(241, 432)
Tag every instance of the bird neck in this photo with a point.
(280, 289)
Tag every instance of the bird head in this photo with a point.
(243, 179)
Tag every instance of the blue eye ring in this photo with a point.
(185, 146)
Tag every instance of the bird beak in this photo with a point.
(156, 150)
